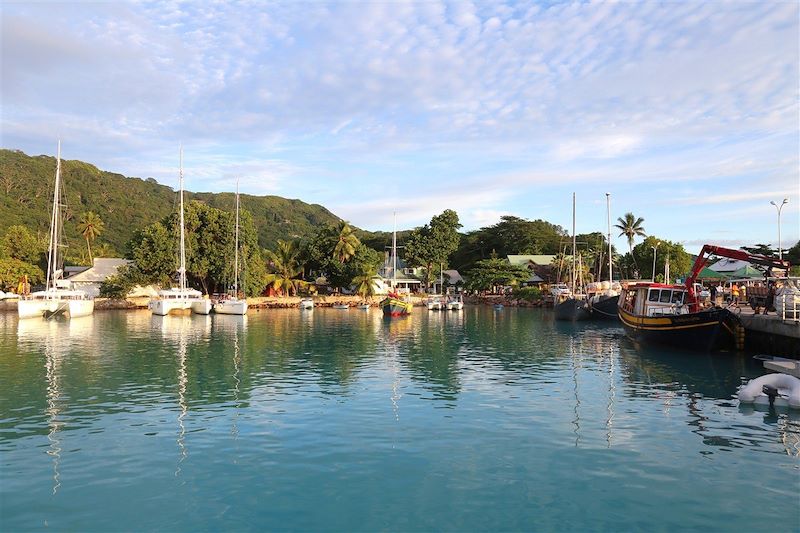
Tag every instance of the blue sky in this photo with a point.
(686, 112)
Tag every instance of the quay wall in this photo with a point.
(768, 334)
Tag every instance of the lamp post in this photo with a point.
(780, 208)
(654, 261)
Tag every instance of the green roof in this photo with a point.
(707, 273)
(523, 260)
(746, 272)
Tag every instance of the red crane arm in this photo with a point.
(709, 250)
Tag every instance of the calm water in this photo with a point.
(340, 420)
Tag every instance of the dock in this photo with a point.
(770, 334)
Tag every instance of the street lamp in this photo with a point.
(654, 260)
(779, 208)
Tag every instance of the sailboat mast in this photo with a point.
(183, 239)
(394, 251)
(52, 251)
(236, 254)
(574, 251)
(610, 263)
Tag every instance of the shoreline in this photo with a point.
(289, 302)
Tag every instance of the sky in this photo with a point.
(687, 113)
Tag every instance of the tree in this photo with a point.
(680, 262)
(433, 243)
(346, 243)
(19, 243)
(154, 254)
(321, 259)
(12, 270)
(90, 226)
(364, 283)
(630, 227)
(488, 274)
(285, 268)
(762, 249)
(512, 235)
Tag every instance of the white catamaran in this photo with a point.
(181, 297)
(58, 298)
(233, 305)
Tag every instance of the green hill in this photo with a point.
(128, 204)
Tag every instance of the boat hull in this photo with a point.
(200, 306)
(395, 307)
(455, 306)
(572, 309)
(704, 331)
(40, 308)
(230, 307)
(605, 308)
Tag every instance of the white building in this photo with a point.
(90, 279)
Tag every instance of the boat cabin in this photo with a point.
(654, 299)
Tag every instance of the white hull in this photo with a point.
(70, 308)
(200, 306)
(434, 306)
(306, 304)
(455, 306)
(231, 307)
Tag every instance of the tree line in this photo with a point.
(334, 253)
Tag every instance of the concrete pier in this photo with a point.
(770, 335)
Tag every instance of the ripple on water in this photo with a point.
(345, 421)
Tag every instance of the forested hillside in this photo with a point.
(128, 204)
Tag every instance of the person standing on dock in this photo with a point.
(734, 294)
(770, 301)
(743, 293)
(713, 294)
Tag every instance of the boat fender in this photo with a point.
(771, 386)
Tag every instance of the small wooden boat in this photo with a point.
(364, 307)
(341, 306)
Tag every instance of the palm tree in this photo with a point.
(346, 243)
(631, 227)
(285, 268)
(90, 226)
(365, 282)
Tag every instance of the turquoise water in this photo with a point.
(343, 421)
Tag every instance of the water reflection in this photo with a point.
(55, 338)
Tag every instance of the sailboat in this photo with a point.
(393, 304)
(234, 305)
(603, 304)
(58, 298)
(181, 297)
(574, 307)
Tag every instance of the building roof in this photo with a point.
(726, 265)
(453, 277)
(524, 260)
(103, 268)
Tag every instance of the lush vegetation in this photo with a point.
(433, 244)
(126, 205)
(285, 244)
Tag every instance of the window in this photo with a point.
(666, 295)
(677, 297)
(653, 297)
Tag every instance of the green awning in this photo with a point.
(707, 273)
(746, 272)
